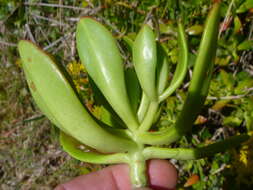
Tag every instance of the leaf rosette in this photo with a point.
(131, 97)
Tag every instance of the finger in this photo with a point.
(111, 178)
(162, 176)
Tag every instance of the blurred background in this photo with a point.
(30, 155)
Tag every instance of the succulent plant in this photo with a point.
(129, 141)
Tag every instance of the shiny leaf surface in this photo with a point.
(99, 53)
(145, 61)
(78, 151)
(57, 99)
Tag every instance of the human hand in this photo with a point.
(162, 176)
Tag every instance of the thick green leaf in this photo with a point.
(167, 28)
(202, 72)
(181, 68)
(74, 148)
(157, 138)
(145, 61)
(99, 53)
(195, 30)
(198, 87)
(162, 69)
(133, 88)
(161, 82)
(57, 99)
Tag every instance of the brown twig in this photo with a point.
(30, 35)
(85, 11)
(41, 31)
(8, 44)
(232, 97)
(57, 41)
(54, 5)
(60, 23)
(227, 17)
(223, 166)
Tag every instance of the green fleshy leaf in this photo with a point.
(195, 30)
(78, 151)
(133, 88)
(99, 53)
(182, 65)
(162, 69)
(59, 102)
(145, 61)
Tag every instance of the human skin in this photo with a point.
(162, 176)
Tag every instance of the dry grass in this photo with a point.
(30, 155)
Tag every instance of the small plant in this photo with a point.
(128, 139)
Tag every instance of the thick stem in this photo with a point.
(194, 153)
(138, 168)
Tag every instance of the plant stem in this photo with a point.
(194, 153)
(138, 168)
